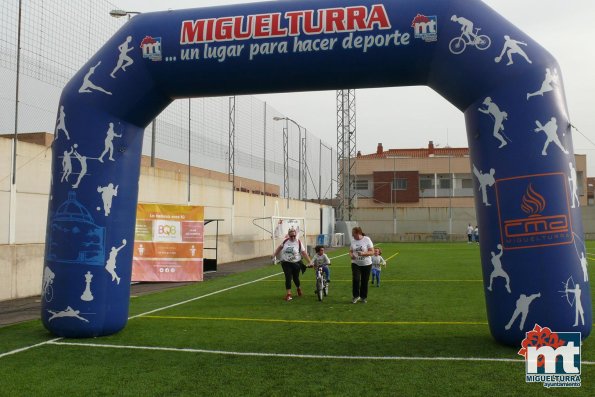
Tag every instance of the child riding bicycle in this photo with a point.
(321, 259)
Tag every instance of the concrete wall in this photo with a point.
(419, 224)
(21, 264)
(413, 224)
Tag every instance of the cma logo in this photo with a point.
(533, 211)
(167, 230)
(533, 204)
(425, 27)
(151, 48)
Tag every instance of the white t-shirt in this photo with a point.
(291, 251)
(377, 262)
(362, 245)
(321, 260)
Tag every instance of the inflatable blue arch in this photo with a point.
(509, 88)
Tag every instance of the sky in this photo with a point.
(409, 117)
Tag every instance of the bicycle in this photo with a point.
(321, 283)
(458, 44)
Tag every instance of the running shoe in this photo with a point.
(288, 297)
(355, 300)
(299, 292)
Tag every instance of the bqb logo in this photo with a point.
(167, 230)
(553, 358)
(533, 211)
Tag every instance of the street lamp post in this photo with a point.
(123, 13)
(287, 119)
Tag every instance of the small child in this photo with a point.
(321, 259)
(377, 262)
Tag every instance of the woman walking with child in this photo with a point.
(292, 251)
(361, 251)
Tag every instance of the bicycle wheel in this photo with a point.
(483, 42)
(457, 45)
(326, 290)
(319, 289)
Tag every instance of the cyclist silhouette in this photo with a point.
(469, 36)
(466, 27)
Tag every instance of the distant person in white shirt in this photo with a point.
(469, 234)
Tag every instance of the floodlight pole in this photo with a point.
(286, 149)
(189, 147)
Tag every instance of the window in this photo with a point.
(360, 184)
(426, 182)
(400, 184)
(444, 182)
(467, 183)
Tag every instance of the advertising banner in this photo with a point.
(168, 243)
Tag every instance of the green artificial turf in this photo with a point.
(430, 305)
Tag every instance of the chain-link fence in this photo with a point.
(57, 37)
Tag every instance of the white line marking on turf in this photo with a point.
(52, 341)
(22, 349)
(202, 296)
(288, 355)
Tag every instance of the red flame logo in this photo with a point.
(533, 202)
(419, 18)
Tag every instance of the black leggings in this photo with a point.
(291, 270)
(361, 278)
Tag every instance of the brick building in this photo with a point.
(425, 177)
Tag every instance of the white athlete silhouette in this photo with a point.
(512, 47)
(123, 60)
(107, 194)
(141, 249)
(484, 180)
(67, 164)
(192, 251)
(584, 267)
(522, 309)
(61, 124)
(88, 84)
(546, 86)
(48, 280)
(68, 312)
(499, 116)
(551, 132)
(109, 143)
(466, 27)
(110, 266)
(577, 302)
(498, 271)
(573, 182)
(87, 295)
(83, 161)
